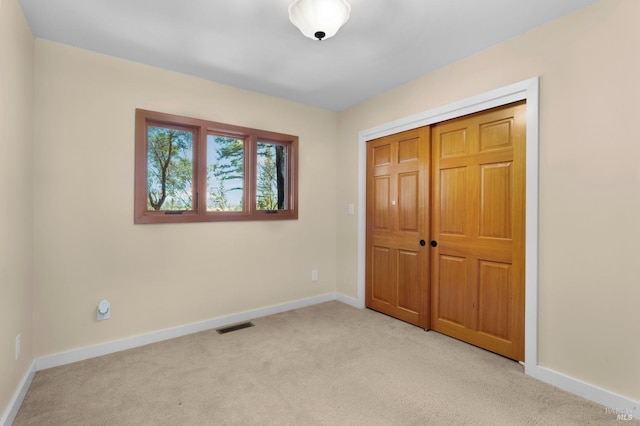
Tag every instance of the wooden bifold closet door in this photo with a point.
(478, 222)
(458, 187)
(397, 221)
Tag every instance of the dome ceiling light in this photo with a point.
(319, 19)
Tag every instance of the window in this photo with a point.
(191, 170)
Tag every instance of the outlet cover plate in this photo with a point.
(104, 310)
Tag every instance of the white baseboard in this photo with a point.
(593, 393)
(347, 300)
(588, 391)
(81, 354)
(16, 402)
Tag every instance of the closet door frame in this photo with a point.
(527, 90)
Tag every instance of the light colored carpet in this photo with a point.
(329, 364)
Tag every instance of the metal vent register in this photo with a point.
(235, 327)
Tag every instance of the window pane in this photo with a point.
(271, 177)
(225, 173)
(169, 169)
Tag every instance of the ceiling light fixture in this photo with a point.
(319, 19)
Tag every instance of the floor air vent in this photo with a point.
(235, 327)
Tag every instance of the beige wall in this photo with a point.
(159, 276)
(16, 236)
(589, 180)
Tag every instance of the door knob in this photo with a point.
(423, 243)
(434, 243)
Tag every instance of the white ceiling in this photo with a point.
(251, 44)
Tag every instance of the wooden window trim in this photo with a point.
(201, 129)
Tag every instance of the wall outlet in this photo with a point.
(104, 310)
(314, 275)
(17, 346)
